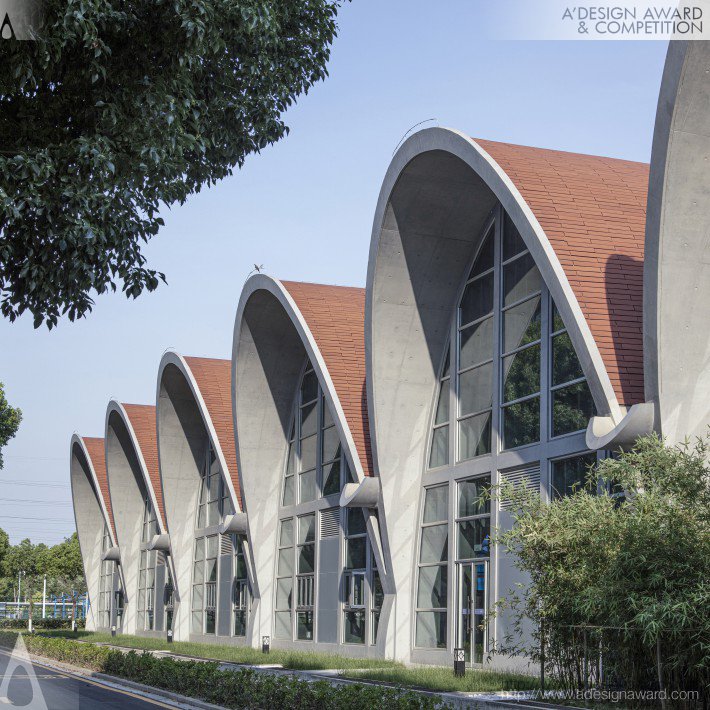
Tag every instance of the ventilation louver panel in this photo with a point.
(330, 522)
(527, 477)
(160, 559)
(225, 545)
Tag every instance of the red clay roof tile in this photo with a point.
(336, 318)
(214, 380)
(96, 449)
(593, 211)
(142, 419)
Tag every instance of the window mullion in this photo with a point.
(545, 369)
(497, 335)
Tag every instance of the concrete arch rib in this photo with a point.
(272, 339)
(677, 263)
(91, 514)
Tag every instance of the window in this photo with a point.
(106, 582)
(572, 403)
(475, 356)
(146, 590)
(439, 454)
(498, 333)
(473, 520)
(169, 600)
(377, 597)
(146, 575)
(214, 505)
(214, 501)
(242, 595)
(315, 456)
(305, 576)
(433, 570)
(284, 580)
(570, 475)
(521, 350)
(204, 585)
(150, 521)
(354, 611)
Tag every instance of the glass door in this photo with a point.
(472, 605)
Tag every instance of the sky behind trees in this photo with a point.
(304, 210)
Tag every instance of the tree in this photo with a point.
(10, 419)
(64, 567)
(120, 108)
(634, 560)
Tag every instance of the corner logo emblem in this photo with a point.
(20, 661)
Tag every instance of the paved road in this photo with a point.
(63, 691)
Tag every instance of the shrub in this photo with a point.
(634, 560)
(21, 624)
(244, 688)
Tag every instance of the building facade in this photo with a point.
(329, 486)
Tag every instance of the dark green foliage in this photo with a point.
(10, 417)
(233, 689)
(39, 624)
(122, 107)
(61, 563)
(636, 563)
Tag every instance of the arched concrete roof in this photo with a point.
(209, 381)
(580, 216)
(91, 455)
(278, 324)
(92, 509)
(140, 423)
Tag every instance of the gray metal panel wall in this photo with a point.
(328, 589)
(159, 603)
(224, 596)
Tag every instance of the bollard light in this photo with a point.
(265, 643)
(459, 662)
(113, 630)
(170, 635)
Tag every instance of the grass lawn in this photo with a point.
(443, 679)
(293, 660)
(428, 677)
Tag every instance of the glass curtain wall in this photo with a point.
(511, 393)
(315, 472)
(108, 569)
(214, 504)
(145, 620)
(242, 594)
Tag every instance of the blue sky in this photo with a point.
(304, 209)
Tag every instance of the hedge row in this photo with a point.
(39, 623)
(244, 688)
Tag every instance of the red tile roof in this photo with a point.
(593, 211)
(214, 380)
(336, 318)
(96, 449)
(142, 419)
